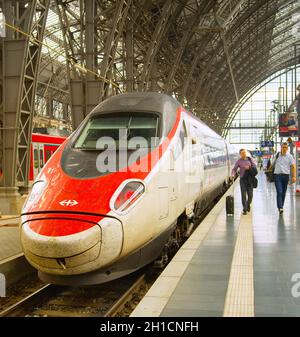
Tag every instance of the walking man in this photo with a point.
(284, 163)
(245, 164)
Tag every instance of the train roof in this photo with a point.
(146, 101)
(165, 105)
(41, 138)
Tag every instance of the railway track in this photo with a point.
(103, 300)
(116, 298)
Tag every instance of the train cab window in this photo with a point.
(117, 128)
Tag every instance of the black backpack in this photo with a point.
(253, 170)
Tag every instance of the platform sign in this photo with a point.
(257, 153)
(288, 125)
(297, 144)
(268, 152)
(267, 143)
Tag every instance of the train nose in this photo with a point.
(70, 246)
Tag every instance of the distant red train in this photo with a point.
(42, 148)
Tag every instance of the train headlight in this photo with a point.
(37, 190)
(126, 195)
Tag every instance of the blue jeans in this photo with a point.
(281, 183)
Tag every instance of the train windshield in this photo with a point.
(119, 130)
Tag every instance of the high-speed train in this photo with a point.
(125, 185)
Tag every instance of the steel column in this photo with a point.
(21, 59)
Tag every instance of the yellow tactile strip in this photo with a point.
(240, 292)
(159, 294)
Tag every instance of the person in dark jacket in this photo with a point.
(248, 170)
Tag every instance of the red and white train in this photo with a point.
(82, 225)
(42, 148)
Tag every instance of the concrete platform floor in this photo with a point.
(10, 244)
(245, 265)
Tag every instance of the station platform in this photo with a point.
(13, 264)
(241, 265)
(10, 244)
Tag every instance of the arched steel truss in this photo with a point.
(208, 53)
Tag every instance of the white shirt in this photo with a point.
(283, 163)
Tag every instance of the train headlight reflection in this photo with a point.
(127, 195)
(37, 189)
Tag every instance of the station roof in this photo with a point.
(207, 53)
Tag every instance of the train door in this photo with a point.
(173, 177)
(38, 158)
(197, 159)
(229, 161)
(187, 149)
(185, 165)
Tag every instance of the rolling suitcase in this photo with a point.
(229, 205)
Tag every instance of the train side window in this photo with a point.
(48, 155)
(35, 158)
(183, 134)
(194, 134)
(41, 158)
